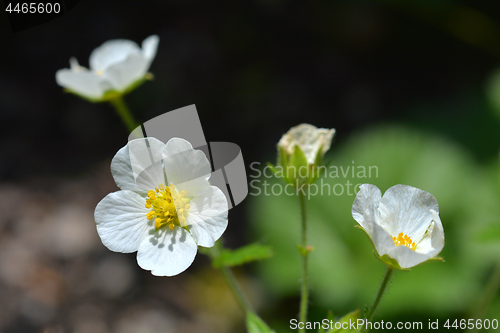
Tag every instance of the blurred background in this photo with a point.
(411, 89)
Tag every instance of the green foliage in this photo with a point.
(256, 325)
(349, 318)
(243, 255)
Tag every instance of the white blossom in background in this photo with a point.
(309, 138)
(117, 65)
(164, 220)
(403, 224)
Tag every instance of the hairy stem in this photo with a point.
(231, 281)
(380, 293)
(304, 292)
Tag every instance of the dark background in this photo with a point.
(253, 70)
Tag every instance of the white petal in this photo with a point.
(433, 239)
(407, 209)
(188, 169)
(149, 47)
(121, 221)
(137, 167)
(207, 217)
(405, 256)
(364, 208)
(408, 258)
(176, 146)
(167, 252)
(75, 66)
(122, 74)
(112, 52)
(82, 82)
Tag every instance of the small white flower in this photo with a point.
(114, 66)
(309, 138)
(163, 223)
(403, 225)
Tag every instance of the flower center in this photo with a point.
(404, 240)
(168, 206)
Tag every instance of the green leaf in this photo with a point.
(243, 255)
(256, 325)
(349, 318)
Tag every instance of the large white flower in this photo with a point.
(309, 138)
(117, 65)
(403, 225)
(166, 206)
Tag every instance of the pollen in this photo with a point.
(405, 240)
(168, 207)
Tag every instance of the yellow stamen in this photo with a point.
(168, 206)
(405, 240)
(151, 194)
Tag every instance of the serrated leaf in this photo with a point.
(256, 325)
(243, 255)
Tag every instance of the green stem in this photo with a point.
(489, 293)
(231, 281)
(304, 293)
(380, 293)
(121, 108)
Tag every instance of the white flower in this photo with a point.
(114, 66)
(164, 224)
(309, 138)
(403, 225)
